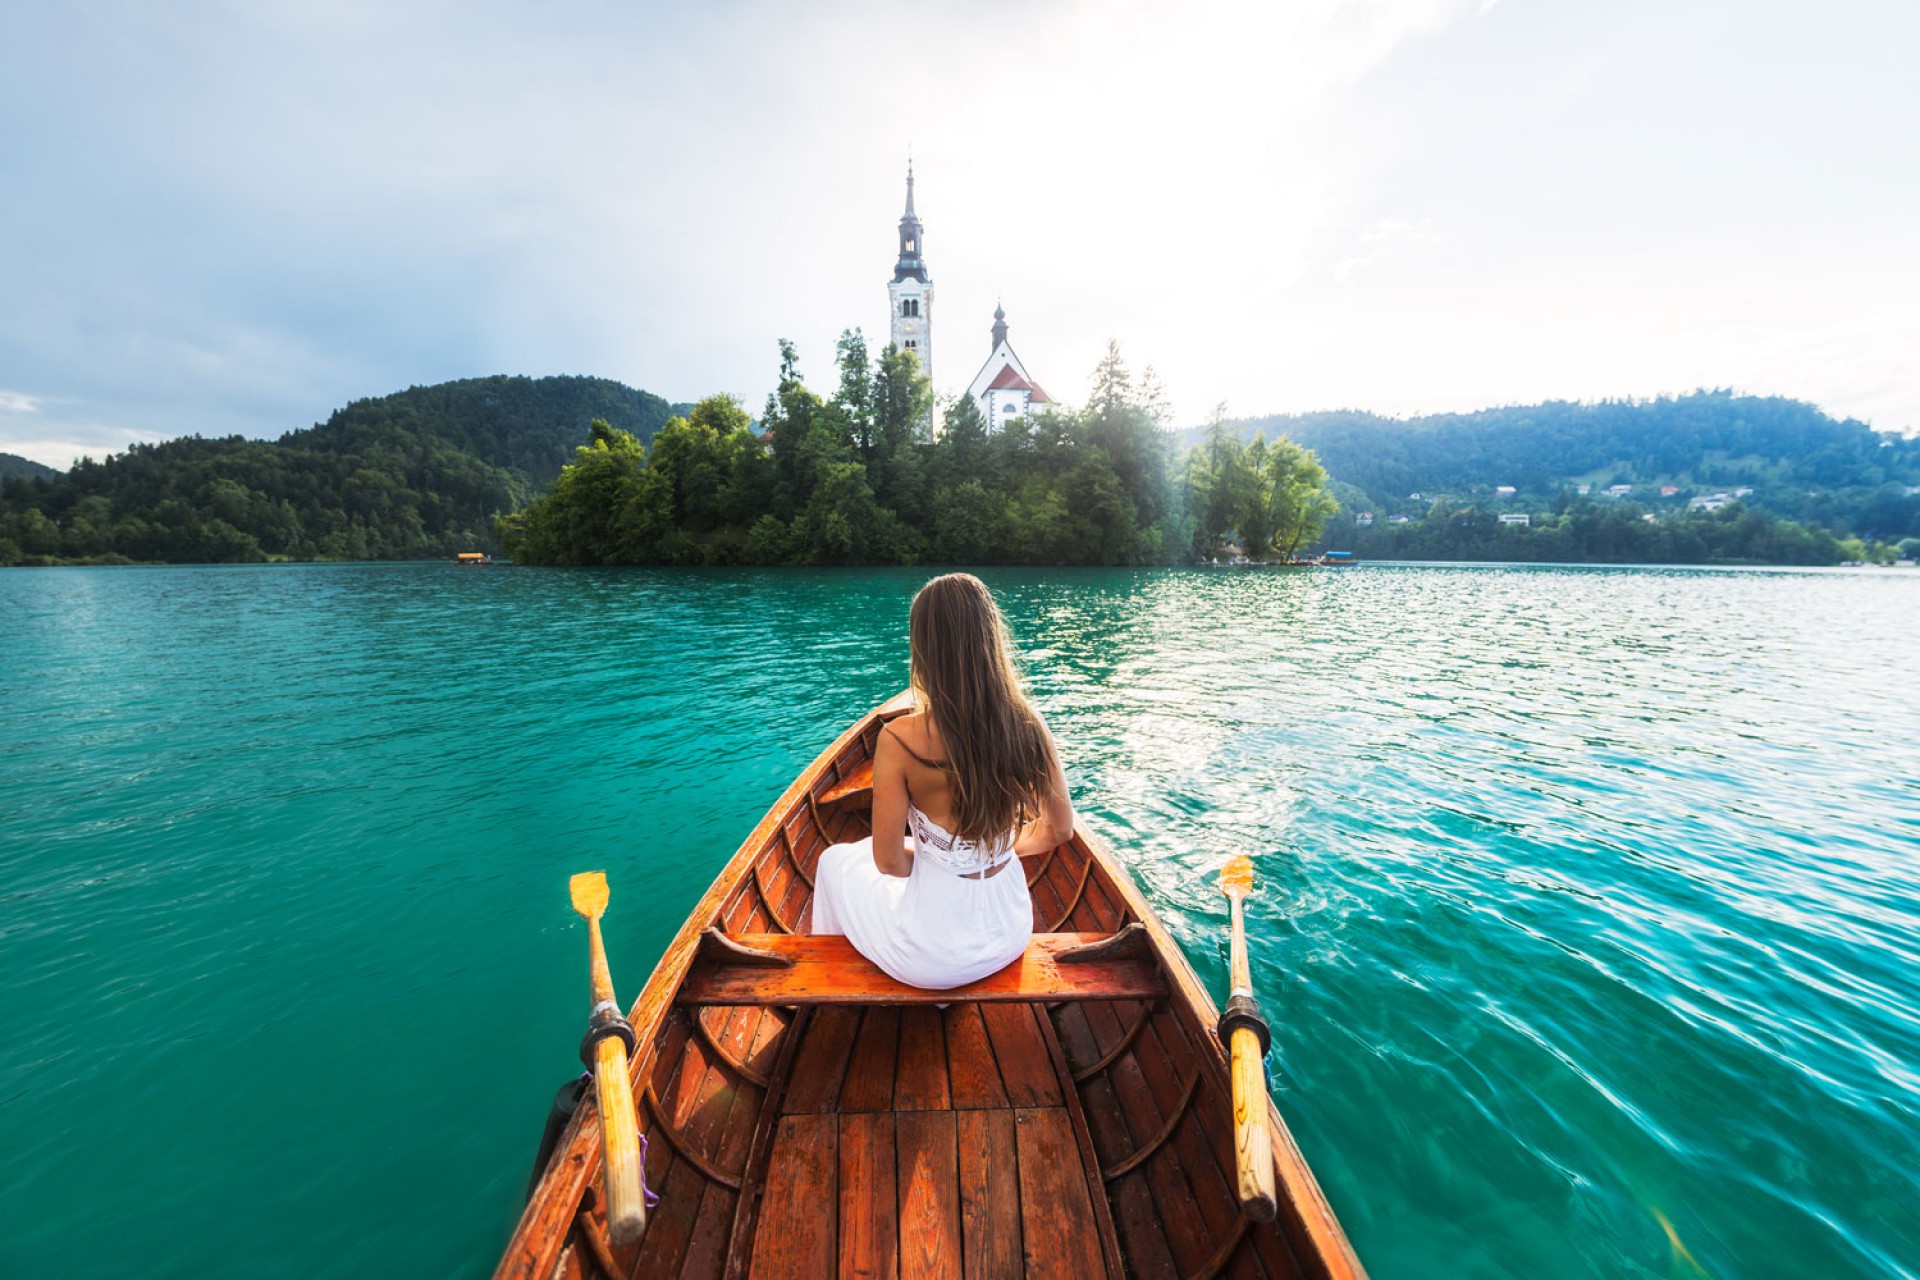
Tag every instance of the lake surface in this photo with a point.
(1588, 913)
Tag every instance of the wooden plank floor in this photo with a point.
(926, 1143)
(915, 1141)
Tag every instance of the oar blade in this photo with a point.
(1236, 878)
(589, 890)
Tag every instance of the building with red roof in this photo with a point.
(1003, 388)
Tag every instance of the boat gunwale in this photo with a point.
(1314, 1234)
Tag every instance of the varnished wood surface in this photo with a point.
(1252, 1143)
(855, 788)
(903, 1139)
(626, 1207)
(827, 970)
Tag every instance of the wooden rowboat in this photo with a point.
(805, 1115)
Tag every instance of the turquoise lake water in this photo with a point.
(1589, 910)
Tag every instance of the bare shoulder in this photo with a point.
(916, 731)
(889, 757)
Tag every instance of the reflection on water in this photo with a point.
(1587, 906)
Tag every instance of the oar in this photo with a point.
(611, 1037)
(1247, 1039)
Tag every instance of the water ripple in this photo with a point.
(1587, 910)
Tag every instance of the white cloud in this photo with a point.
(245, 217)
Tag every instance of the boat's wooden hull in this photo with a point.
(991, 1137)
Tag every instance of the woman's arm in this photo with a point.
(890, 852)
(1054, 825)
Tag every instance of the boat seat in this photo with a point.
(855, 790)
(800, 968)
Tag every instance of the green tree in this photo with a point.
(696, 460)
(590, 515)
(792, 425)
(842, 522)
(855, 398)
(902, 404)
(972, 524)
(1297, 497)
(962, 451)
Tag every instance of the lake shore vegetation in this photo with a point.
(421, 474)
(852, 478)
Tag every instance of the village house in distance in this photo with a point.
(1003, 389)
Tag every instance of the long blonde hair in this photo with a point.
(997, 751)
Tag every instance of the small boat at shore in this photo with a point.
(1083, 1112)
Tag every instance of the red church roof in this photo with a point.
(1010, 380)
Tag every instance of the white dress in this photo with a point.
(935, 927)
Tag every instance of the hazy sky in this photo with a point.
(225, 218)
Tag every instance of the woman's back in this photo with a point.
(960, 786)
(929, 779)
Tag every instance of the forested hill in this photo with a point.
(529, 425)
(12, 464)
(421, 473)
(1799, 462)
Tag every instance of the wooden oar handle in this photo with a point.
(610, 1036)
(620, 1140)
(1252, 1141)
(1245, 1032)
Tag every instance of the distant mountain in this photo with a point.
(529, 425)
(12, 464)
(421, 473)
(1797, 462)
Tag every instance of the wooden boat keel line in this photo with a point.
(1159, 1139)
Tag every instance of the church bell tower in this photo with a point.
(911, 291)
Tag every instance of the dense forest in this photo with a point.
(423, 473)
(12, 464)
(853, 478)
(1781, 458)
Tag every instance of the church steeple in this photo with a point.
(999, 326)
(911, 264)
(910, 293)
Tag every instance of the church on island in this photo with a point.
(1003, 389)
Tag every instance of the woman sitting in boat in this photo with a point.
(974, 777)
